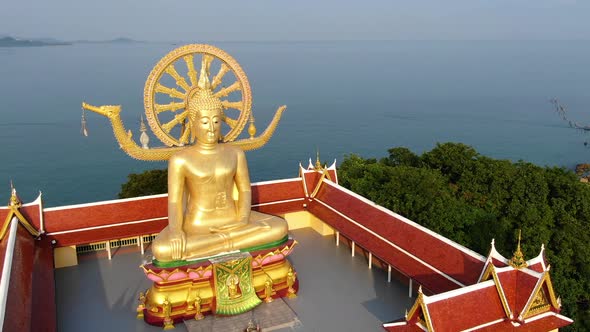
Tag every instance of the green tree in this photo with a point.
(150, 182)
(471, 199)
(452, 159)
(401, 156)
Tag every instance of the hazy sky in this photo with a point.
(234, 20)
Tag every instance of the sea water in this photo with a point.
(343, 97)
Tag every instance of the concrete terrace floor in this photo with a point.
(337, 292)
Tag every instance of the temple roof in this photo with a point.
(454, 280)
(506, 297)
(26, 263)
(434, 261)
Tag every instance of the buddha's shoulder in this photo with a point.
(232, 149)
(180, 157)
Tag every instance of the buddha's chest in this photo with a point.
(211, 169)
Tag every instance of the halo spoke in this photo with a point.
(192, 73)
(169, 91)
(238, 105)
(230, 122)
(168, 107)
(178, 118)
(184, 136)
(226, 91)
(219, 77)
(180, 81)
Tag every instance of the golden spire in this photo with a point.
(14, 200)
(14, 205)
(252, 127)
(142, 126)
(318, 163)
(517, 260)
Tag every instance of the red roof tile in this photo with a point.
(274, 191)
(400, 260)
(460, 312)
(452, 259)
(549, 321)
(31, 274)
(518, 287)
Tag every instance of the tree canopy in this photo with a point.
(471, 199)
(150, 182)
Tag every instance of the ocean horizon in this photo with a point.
(343, 97)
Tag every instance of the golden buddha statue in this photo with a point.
(204, 218)
(211, 221)
(209, 194)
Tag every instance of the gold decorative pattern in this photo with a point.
(169, 119)
(184, 54)
(184, 294)
(165, 274)
(542, 301)
(423, 317)
(14, 206)
(126, 143)
(259, 259)
(234, 290)
(517, 261)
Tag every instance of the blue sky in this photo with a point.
(262, 20)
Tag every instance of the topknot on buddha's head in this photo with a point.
(203, 98)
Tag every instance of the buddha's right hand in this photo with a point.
(177, 244)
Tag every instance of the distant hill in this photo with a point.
(8, 41)
(120, 40)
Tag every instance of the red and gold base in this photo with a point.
(188, 291)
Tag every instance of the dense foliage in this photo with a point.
(150, 182)
(471, 199)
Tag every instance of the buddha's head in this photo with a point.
(205, 116)
(205, 112)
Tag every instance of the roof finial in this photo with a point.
(517, 260)
(144, 139)
(318, 163)
(14, 200)
(252, 127)
(142, 126)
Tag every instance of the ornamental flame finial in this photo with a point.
(517, 260)
(14, 200)
(318, 163)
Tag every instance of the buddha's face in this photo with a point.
(208, 126)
